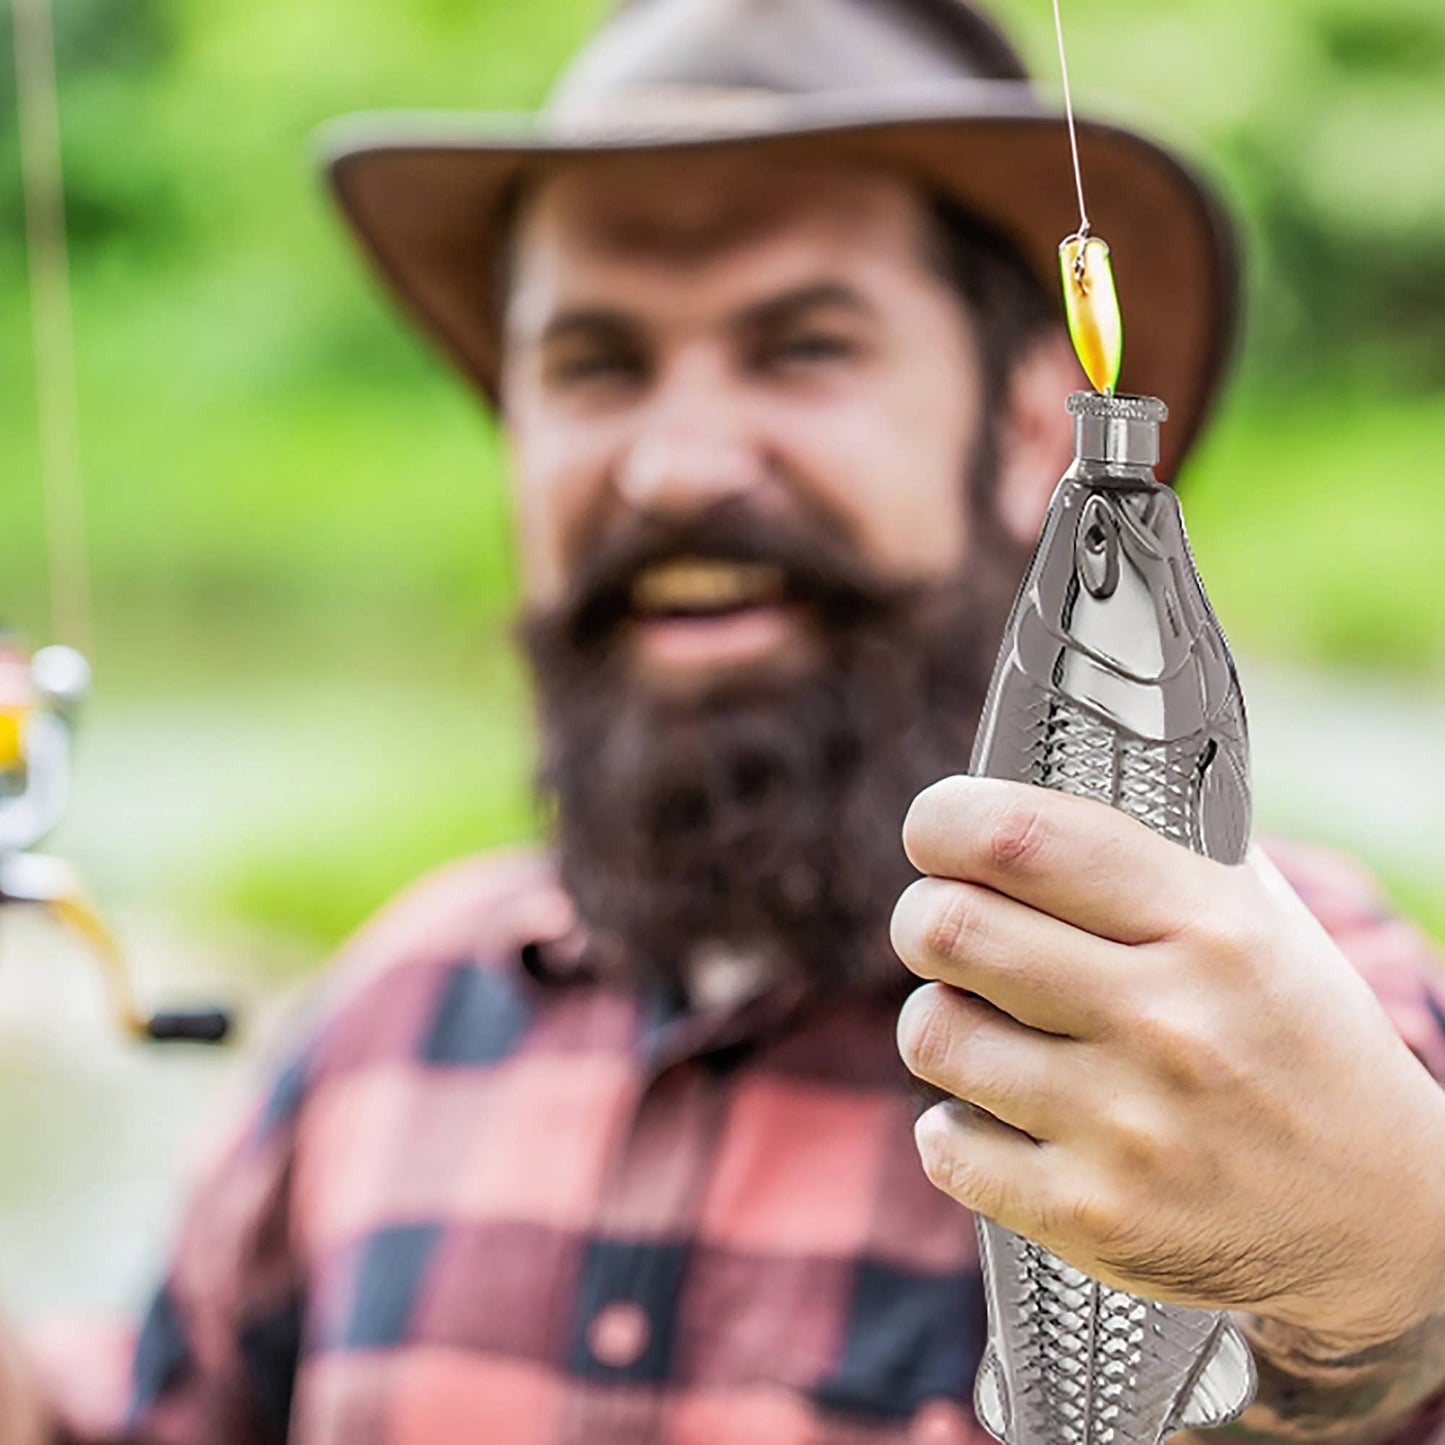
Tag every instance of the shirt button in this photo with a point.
(619, 1334)
(939, 1422)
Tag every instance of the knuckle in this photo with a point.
(1220, 926)
(1085, 1219)
(903, 927)
(1183, 1048)
(1140, 1138)
(941, 1161)
(953, 1170)
(1206, 1065)
(954, 923)
(1152, 1018)
(1233, 936)
(943, 1168)
(926, 818)
(927, 1031)
(1018, 837)
(1094, 1218)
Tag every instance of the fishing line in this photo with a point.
(1069, 113)
(52, 324)
(1091, 301)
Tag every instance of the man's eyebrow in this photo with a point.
(590, 322)
(587, 321)
(790, 306)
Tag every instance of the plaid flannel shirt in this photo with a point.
(489, 1200)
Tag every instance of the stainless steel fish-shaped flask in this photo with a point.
(1114, 682)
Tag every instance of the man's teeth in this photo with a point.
(704, 584)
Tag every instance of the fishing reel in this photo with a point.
(40, 697)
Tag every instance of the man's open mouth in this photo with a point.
(692, 613)
(705, 587)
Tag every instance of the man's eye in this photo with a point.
(809, 348)
(602, 366)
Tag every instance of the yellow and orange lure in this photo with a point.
(1091, 305)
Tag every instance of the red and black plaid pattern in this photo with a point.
(489, 1200)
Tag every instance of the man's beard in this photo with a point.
(762, 816)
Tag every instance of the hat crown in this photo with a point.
(783, 47)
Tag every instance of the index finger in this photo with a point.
(1078, 859)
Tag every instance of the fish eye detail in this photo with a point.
(1096, 549)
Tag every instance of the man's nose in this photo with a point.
(692, 448)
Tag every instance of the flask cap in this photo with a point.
(1122, 429)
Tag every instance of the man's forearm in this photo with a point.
(1310, 1393)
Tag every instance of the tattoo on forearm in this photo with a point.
(1308, 1395)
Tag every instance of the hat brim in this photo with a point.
(425, 192)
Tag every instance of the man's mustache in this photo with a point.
(819, 567)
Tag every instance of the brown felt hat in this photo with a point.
(930, 88)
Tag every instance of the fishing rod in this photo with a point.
(41, 695)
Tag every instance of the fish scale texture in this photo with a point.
(1153, 782)
(1091, 1365)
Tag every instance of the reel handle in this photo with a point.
(188, 1026)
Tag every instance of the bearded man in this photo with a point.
(612, 1141)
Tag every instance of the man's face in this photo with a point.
(684, 331)
(762, 600)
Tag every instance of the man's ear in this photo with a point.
(1036, 440)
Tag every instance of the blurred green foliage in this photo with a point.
(279, 470)
(266, 440)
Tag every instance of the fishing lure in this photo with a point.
(1113, 682)
(1091, 307)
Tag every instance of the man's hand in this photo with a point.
(1181, 1085)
